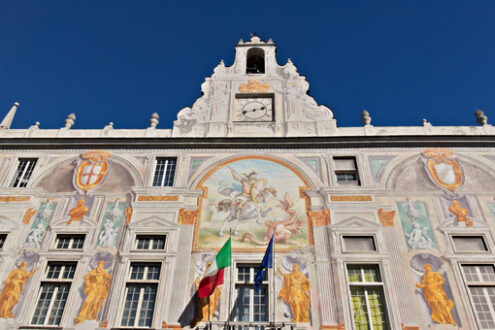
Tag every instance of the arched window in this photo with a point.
(255, 62)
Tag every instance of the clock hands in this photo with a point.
(253, 110)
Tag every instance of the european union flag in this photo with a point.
(266, 263)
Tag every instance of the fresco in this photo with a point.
(491, 209)
(111, 224)
(254, 199)
(415, 225)
(38, 227)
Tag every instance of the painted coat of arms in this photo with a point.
(443, 169)
(92, 170)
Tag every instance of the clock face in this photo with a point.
(254, 109)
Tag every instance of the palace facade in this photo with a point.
(373, 227)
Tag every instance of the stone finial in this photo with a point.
(481, 118)
(366, 118)
(154, 120)
(69, 122)
(109, 126)
(7, 121)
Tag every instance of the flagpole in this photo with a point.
(230, 282)
(273, 281)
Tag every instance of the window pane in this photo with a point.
(164, 172)
(346, 177)
(368, 307)
(260, 304)
(51, 303)
(70, 241)
(469, 243)
(242, 304)
(371, 273)
(3, 237)
(136, 292)
(359, 243)
(479, 273)
(150, 242)
(482, 298)
(23, 173)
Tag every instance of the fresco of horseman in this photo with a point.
(247, 200)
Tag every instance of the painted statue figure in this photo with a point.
(115, 212)
(78, 212)
(96, 286)
(207, 306)
(46, 212)
(12, 290)
(295, 292)
(417, 238)
(435, 296)
(108, 235)
(460, 213)
(35, 236)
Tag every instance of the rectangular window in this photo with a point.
(480, 280)
(140, 294)
(469, 244)
(164, 172)
(250, 306)
(70, 242)
(53, 293)
(3, 238)
(150, 242)
(346, 170)
(367, 297)
(359, 244)
(23, 173)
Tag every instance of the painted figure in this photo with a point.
(418, 238)
(295, 292)
(247, 201)
(46, 212)
(96, 286)
(35, 236)
(78, 212)
(115, 212)
(108, 235)
(460, 213)
(207, 306)
(435, 296)
(13, 289)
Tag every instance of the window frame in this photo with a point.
(134, 247)
(457, 251)
(468, 285)
(15, 172)
(154, 171)
(4, 241)
(386, 311)
(356, 171)
(45, 280)
(56, 237)
(254, 265)
(352, 235)
(136, 282)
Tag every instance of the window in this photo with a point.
(53, 293)
(164, 172)
(469, 244)
(150, 242)
(255, 62)
(359, 244)
(23, 173)
(250, 306)
(480, 280)
(3, 238)
(140, 294)
(346, 170)
(367, 298)
(70, 242)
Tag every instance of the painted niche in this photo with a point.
(254, 198)
(416, 225)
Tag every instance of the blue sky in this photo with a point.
(120, 61)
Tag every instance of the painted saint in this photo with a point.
(295, 292)
(96, 286)
(12, 290)
(435, 296)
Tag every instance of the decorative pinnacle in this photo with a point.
(481, 118)
(69, 122)
(366, 118)
(7, 121)
(154, 120)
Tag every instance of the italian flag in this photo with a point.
(214, 275)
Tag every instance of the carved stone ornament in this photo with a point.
(187, 217)
(92, 170)
(8, 199)
(254, 86)
(460, 213)
(354, 198)
(28, 216)
(386, 217)
(319, 218)
(158, 198)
